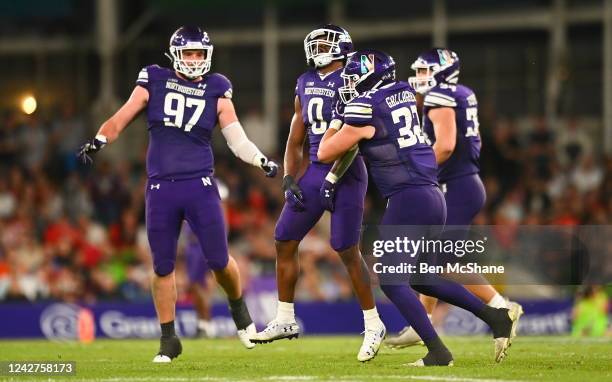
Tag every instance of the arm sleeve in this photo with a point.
(341, 165)
(241, 146)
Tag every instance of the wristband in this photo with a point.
(102, 139)
(331, 178)
(335, 124)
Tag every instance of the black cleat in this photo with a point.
(169, 348)
(503, 326)
(437, 358)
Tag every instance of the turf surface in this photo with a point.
(319, 359)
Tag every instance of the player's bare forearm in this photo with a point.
(125, 115)
(293, 158)
(110, 130)
(336, 144)
(329, 133)
(341, 165)
(445, 130)
(442, 153)
(295, 142)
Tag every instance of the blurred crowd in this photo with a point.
(76, 233)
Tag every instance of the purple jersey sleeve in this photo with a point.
(338, 111)
(146, 75)
(358, 112)
(219, 85)
(440, 97)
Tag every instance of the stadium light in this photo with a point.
(29, 104)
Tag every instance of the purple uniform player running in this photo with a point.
(183, 106)
(316, 96)
(450, 123)
(381, 116)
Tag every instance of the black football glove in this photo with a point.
(293, 194)
(89, 148)
(328, 195)
(270, 168)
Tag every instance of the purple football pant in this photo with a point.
(416, 212)
(197, 201)
(197, 265)
(348, 212)
(465, 196)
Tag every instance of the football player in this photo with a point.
(316, 95)
(450, 123)
(183, 106)
(381, 117)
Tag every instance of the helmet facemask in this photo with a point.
(441, 65)
(322, 46)
(188, 67)
(423, 83)
(348, 92)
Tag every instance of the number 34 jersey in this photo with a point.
(398, 153)
(318, 95)
(465, 158)
(181, 116)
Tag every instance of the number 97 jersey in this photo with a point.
(465, 158)
(318, 95)
(181, 116)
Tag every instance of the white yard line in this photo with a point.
(279, 378)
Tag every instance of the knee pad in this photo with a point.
(163, 267)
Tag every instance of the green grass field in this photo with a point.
(320, 359)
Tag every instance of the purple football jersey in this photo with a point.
(181, 116)
(397, 153)
(318, 96)
(465, 158)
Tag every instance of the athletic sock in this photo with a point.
(370, 318)
(497, 302)
(411, 309)
(240, 313)
(167, 329)
(285, 313)
(437, 353)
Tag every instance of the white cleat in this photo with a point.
(503, 343)
(406, 337)
(371, 342)
(162, 359)
(276, 331)
(245, 334)
(206, 329)
(515, 310)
